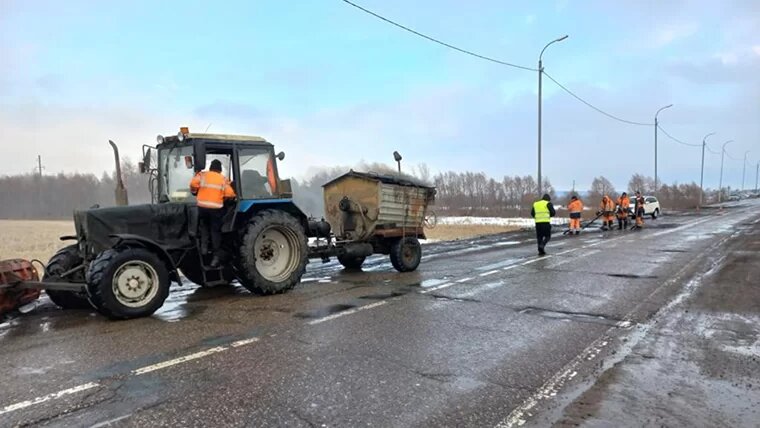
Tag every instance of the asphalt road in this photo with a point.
(485, 333)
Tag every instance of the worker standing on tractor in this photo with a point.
(575, 207)
(622, 211)
(211, 188)
(638, 211)
(542, 212)
(607, 210)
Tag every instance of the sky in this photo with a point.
(331, 85)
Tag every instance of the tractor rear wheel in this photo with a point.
(349, 262)
(127, 283)
(273, 254)
(406, 254)
(63, 261)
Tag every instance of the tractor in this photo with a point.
(126, 257)
(123, 259)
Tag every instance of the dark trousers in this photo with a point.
(210, 221)
(543, 235)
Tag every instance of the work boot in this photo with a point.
(577, 232)
(215, 262)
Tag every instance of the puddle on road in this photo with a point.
(383, 296)
(575, 316)
(323, 312)
(432, 282)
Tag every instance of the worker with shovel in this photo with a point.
(575, 207)
(622, 211)
(638, 211)
(607, 209)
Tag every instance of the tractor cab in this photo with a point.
(247, 161)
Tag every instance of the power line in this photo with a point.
(593, 107)
(417, 33)
(711, 150)
(731, 157)
(676, 139)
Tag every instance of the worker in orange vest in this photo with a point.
(622, 211)
(638, 211)
(607, 210)
(211, 188)
(575, 207)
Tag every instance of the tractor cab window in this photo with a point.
(258, 179)
(175, 176)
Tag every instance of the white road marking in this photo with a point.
(438, 287)
(348, 312)
(44, 398)
(111, 421)
(489, 273)
(244, 342)
(459, 281)
(180, 360)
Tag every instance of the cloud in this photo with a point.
(673, 33)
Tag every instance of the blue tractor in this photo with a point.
(126, 257)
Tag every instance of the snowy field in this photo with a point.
(526, 223)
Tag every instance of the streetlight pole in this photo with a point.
(757, 172)
(720, 183)
(744, 168)
(702, 172)
(655, 144)
(540, 74)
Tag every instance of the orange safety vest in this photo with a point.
(607, 206)
(575, 206)
(211, 188)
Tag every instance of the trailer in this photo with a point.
(372, 213)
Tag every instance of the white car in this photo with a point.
(651, 206)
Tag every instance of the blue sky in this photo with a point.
(331, 85)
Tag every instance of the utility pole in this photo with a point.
(720, 185)
(656, 124)
(540, 75)
(702, 171)
(757, 170)
(744, 168)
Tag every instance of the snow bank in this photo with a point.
(497, 221)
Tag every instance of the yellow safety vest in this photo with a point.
(541, 209)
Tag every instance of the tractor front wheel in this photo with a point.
(64, 260)
(273, 254)
(127, 283)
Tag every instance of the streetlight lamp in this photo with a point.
(655, 144)
(702, 173)
(744, 168)
(540, 73)
(720, 183)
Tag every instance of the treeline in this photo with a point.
(31, 196)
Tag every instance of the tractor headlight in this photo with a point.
(160, 139)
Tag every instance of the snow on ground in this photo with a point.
(497, 221)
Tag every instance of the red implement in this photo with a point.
(11, 272)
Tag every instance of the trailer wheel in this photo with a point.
(351, 262)
(273, 254)
(127, 283)
(64, 260)
(406, 254)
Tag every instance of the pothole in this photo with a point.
(323, 312)
(673, 251)
(576, 316)
(381, 296)
(631, 276)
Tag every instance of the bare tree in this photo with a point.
(600, 187)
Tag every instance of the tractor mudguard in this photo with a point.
(128, 239)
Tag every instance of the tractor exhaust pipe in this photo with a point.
(121, 192)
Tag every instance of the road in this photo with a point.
(601, 331)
